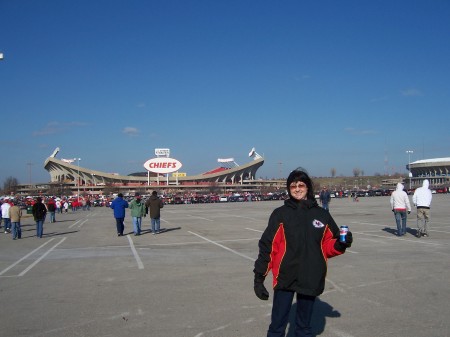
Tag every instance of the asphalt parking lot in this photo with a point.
(195, 279)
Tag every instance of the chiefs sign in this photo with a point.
(162, 165)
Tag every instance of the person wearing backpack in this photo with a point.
(39, 211)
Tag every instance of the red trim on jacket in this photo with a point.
(277, 253)
(327, 244)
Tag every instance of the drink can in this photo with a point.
(343, 233)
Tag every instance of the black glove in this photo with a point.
(341, 246)
(409, 212)
(260, 291)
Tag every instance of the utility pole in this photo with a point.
(280, 164)
(409, 153)
(29, 170)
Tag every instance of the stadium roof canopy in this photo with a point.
(436, 170)
(435, 160)
(62, 170)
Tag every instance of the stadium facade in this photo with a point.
(229, 175)
(437, 171)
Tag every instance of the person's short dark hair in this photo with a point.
(300, 174)
(137, 194)
(39, 199)
(120, 195)
(154, 193)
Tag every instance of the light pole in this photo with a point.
(78, 179)
(409, 152)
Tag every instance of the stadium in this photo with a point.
(227, 176)
(437, 171)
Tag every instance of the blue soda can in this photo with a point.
(343, 233)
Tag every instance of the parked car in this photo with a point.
(223, 198)
(360, 193)
(378, 193)
(236, 198)
(97, 203)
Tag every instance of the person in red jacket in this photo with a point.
(295, 246)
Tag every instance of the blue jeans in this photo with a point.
(155, 224)
(7, 223)
(120, 226)
(39, 228)
(52, 217)
(325, 206)
(400, 219)
(137, 221)
(16, 230)
(282, 303)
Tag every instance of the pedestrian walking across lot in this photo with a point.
(39, 212)
(154, 205)
(5, 215)
(400, 206)
(119, 205)
(137, 209)
(422, 200)
(16, 214)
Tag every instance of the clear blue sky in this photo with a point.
(319, 84)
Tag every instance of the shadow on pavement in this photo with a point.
(322, 310)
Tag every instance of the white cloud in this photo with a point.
(411, 92)
(55, 127)
(130, 131)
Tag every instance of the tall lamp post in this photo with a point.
(409, 152)
(78, 178)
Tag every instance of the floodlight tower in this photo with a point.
(409, 152)
(78, 179)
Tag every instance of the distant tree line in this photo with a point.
(10, 186)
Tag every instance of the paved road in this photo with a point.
(195, 279)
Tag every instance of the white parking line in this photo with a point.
(222, 246)
(42, 257)
(75, 223)
(255, 230)
(198, 217)
(26, 256)
(136, 255)
(400, 239)
(82, 223)
(243, 217)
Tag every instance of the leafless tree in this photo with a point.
(333, 172)
(356, 172)
(10, 185)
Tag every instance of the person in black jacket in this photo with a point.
(299, 239)
(154, 205)
(325, 198)
(39, 211)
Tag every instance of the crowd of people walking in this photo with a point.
(39, 208)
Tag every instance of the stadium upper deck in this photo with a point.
(436, 170)
(63, 171)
